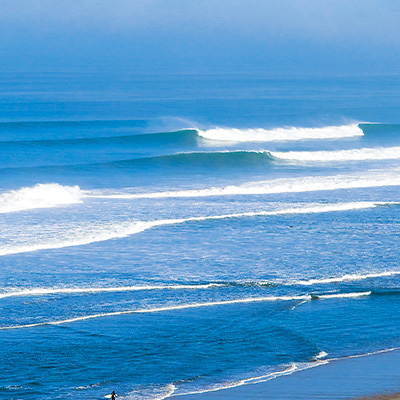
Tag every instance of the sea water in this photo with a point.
(172, 234)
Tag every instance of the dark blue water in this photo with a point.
(172, 234)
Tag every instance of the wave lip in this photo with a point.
(280, 134)
(39, 196)
(377, 153)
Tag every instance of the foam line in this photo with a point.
(342, 295)
(373, 178)
(281, 134)
(189, 306)
(15, 292)
(49, 291)
(344, 278)
(378, 153)
(125, 229)
(162, 309)
(39, 196)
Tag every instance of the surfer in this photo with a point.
(113, 395)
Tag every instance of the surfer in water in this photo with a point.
(113, 395)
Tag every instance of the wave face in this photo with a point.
(281, 134)
(39, 196)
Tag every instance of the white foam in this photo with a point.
(343, 295)
(39, 196)
(321, 354)
(378, 153)
(344, 278)
(280, 134)
(78, 290)
(93, 234)
(373, 178)
(152, 393)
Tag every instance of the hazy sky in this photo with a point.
(203, 35)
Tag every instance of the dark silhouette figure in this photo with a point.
(113, 395)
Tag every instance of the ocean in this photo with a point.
(184, 233)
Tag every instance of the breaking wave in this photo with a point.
(377, 153)
(39, 196)
(281, 134)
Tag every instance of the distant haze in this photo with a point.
(200, 36)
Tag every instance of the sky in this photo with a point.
(200, 36)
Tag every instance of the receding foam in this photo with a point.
(280, 134)
(39, 196)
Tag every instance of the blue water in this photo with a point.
(173, 234)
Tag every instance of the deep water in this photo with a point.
(174, 234)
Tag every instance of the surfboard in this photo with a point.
(107, 396)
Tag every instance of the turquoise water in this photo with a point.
(171, 234)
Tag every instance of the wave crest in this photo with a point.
(280, 134)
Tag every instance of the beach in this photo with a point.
(371, 377)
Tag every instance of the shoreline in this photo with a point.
(366, 377)
(394, 396)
